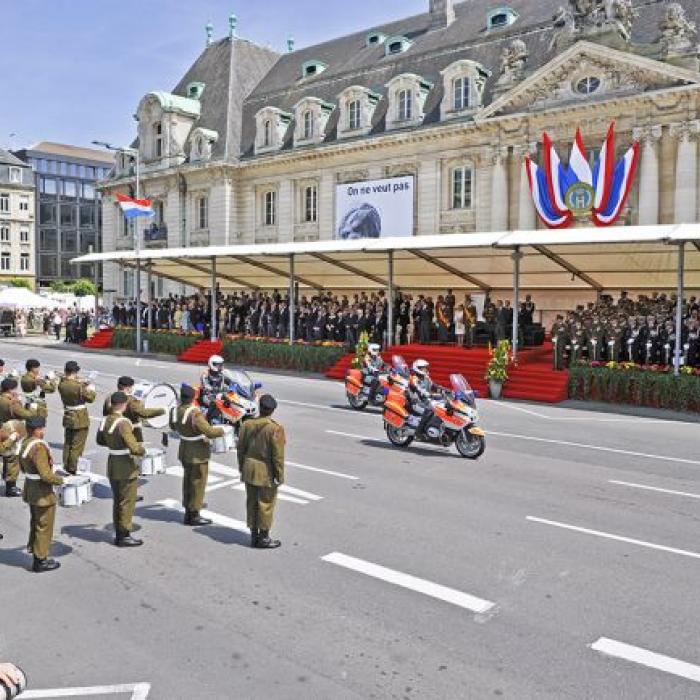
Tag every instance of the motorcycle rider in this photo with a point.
(212, 385)
(372, 365)
(421, 390)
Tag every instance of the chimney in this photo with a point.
(442, 13)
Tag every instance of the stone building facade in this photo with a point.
(16, 219)
(250, 145)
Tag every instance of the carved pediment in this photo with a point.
(588, 72)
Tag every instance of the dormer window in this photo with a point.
(201, 142)
(311, 118)
(354, 115)
(357, 105)
(464, 88)
(407, 95)
(500, 18)
(308, 124)
(375, 38)
(405, 100)
(310, 69)
(396, 45)
(195, 90)
(158, 140)
(271, 124)
(267, 133)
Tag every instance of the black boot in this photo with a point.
(264, 541)
(42, 565)
(11, 491)
(194, 519)
(254, 537)
(126, 540)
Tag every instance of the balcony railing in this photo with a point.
(155, 235)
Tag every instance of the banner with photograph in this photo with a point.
(375, 208)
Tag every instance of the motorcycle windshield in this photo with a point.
(240, 381)
(399, 365)
(462, 389)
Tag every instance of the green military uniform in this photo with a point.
(76, 419)
(11, 408)
(136, 412)
(579, 340)
(36, 462)
(596, 343)
(35, 390)
(261, 463)
(194, 452)
(117, 434)
(560, 339)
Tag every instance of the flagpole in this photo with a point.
(137, 249)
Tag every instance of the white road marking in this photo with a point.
(654, 488)
(224, 470)
(598, 448)
(647, 658)
(617, 538)
(544, 416)
(353, 435)
(280, 496)
(329, 472)
(222, 484)
(434, 590)
(292, 491)
(216, 518)
(139, 691)
(321, 407)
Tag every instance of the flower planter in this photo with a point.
(495, 389)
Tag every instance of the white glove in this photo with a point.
(14, 436)
(91, 387)
(33, 406)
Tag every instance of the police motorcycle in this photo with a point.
(372, 388)
(235, 396)
(454, 420)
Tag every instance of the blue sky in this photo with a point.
(76, 69)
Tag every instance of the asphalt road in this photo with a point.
(550, 568)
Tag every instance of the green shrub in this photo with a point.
(159, 342)
(298, 357)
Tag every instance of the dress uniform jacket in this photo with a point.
(35, 388)
(11, 408)
(261, 452)
(75, 394)
(136, 412)
(195, 434)
(36, 462)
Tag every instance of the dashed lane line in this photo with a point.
(644, 657)
(139, 691)
(617, 538)
(318, 470)
(419, 585)
(656, 489)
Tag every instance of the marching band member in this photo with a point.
(194, 453)
(37, 465)
(136, 412)
(11, 408)
(35, 387)
(117, 434)
(75, 394)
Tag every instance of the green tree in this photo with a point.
(59, 287)
(20, 282)
(83, 288)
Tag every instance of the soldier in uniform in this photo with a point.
(136, 412)
(194, 452)
(11, 408)
(560, 339)
(35, 387)
(117, 434)
(75, 393)
(261, 463)
(37, 465)
(596, 340)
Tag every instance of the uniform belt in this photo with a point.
(119, 453)
(193, 439)
(32, 477)
(74, 408)
(137, 425)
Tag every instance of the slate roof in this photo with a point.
(6, 158)
(242, 77)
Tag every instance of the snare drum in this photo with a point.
(153, 462)
(225, 443)
(84, 465)
(75, 491)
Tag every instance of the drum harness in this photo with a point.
(25, 454)
(185, 417)
(115, 453)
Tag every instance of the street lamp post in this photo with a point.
(133, 152)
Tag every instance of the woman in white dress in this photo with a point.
(460, 325)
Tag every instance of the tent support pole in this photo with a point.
(390, 300)
(292, 301)
(679, 310)
(517, 257)
(149, 300)
(214, 301)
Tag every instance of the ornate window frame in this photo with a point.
(368, 101)
(271, 127)
(319, 111)
(476, 75)
(201, 144)
(418, 88)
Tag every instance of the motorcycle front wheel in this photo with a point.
(398, 437)
(470, 446)
(356, 402)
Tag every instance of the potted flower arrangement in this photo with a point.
(497, 369)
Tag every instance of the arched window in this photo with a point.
(354, 115)
(200, 146)
(267, 133)
(158, 139)
(460, 91)
(404, 101)
(308, 124)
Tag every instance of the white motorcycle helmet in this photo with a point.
(421, 367)
(374, 349)
(216, 364)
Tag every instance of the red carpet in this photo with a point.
(532, 380)
(200, 352)
(100, 341)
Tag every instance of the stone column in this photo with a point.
(649, 175)
(686, 193)
(499, 190)
(527, 216)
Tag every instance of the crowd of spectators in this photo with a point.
(642, 331)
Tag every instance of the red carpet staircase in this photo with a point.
(532, 380)
(200, 352)
(100, 341)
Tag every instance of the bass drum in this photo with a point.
(160, 396)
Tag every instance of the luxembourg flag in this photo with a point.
(135, 207)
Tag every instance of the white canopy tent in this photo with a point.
(632, 257)
(22, 298)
